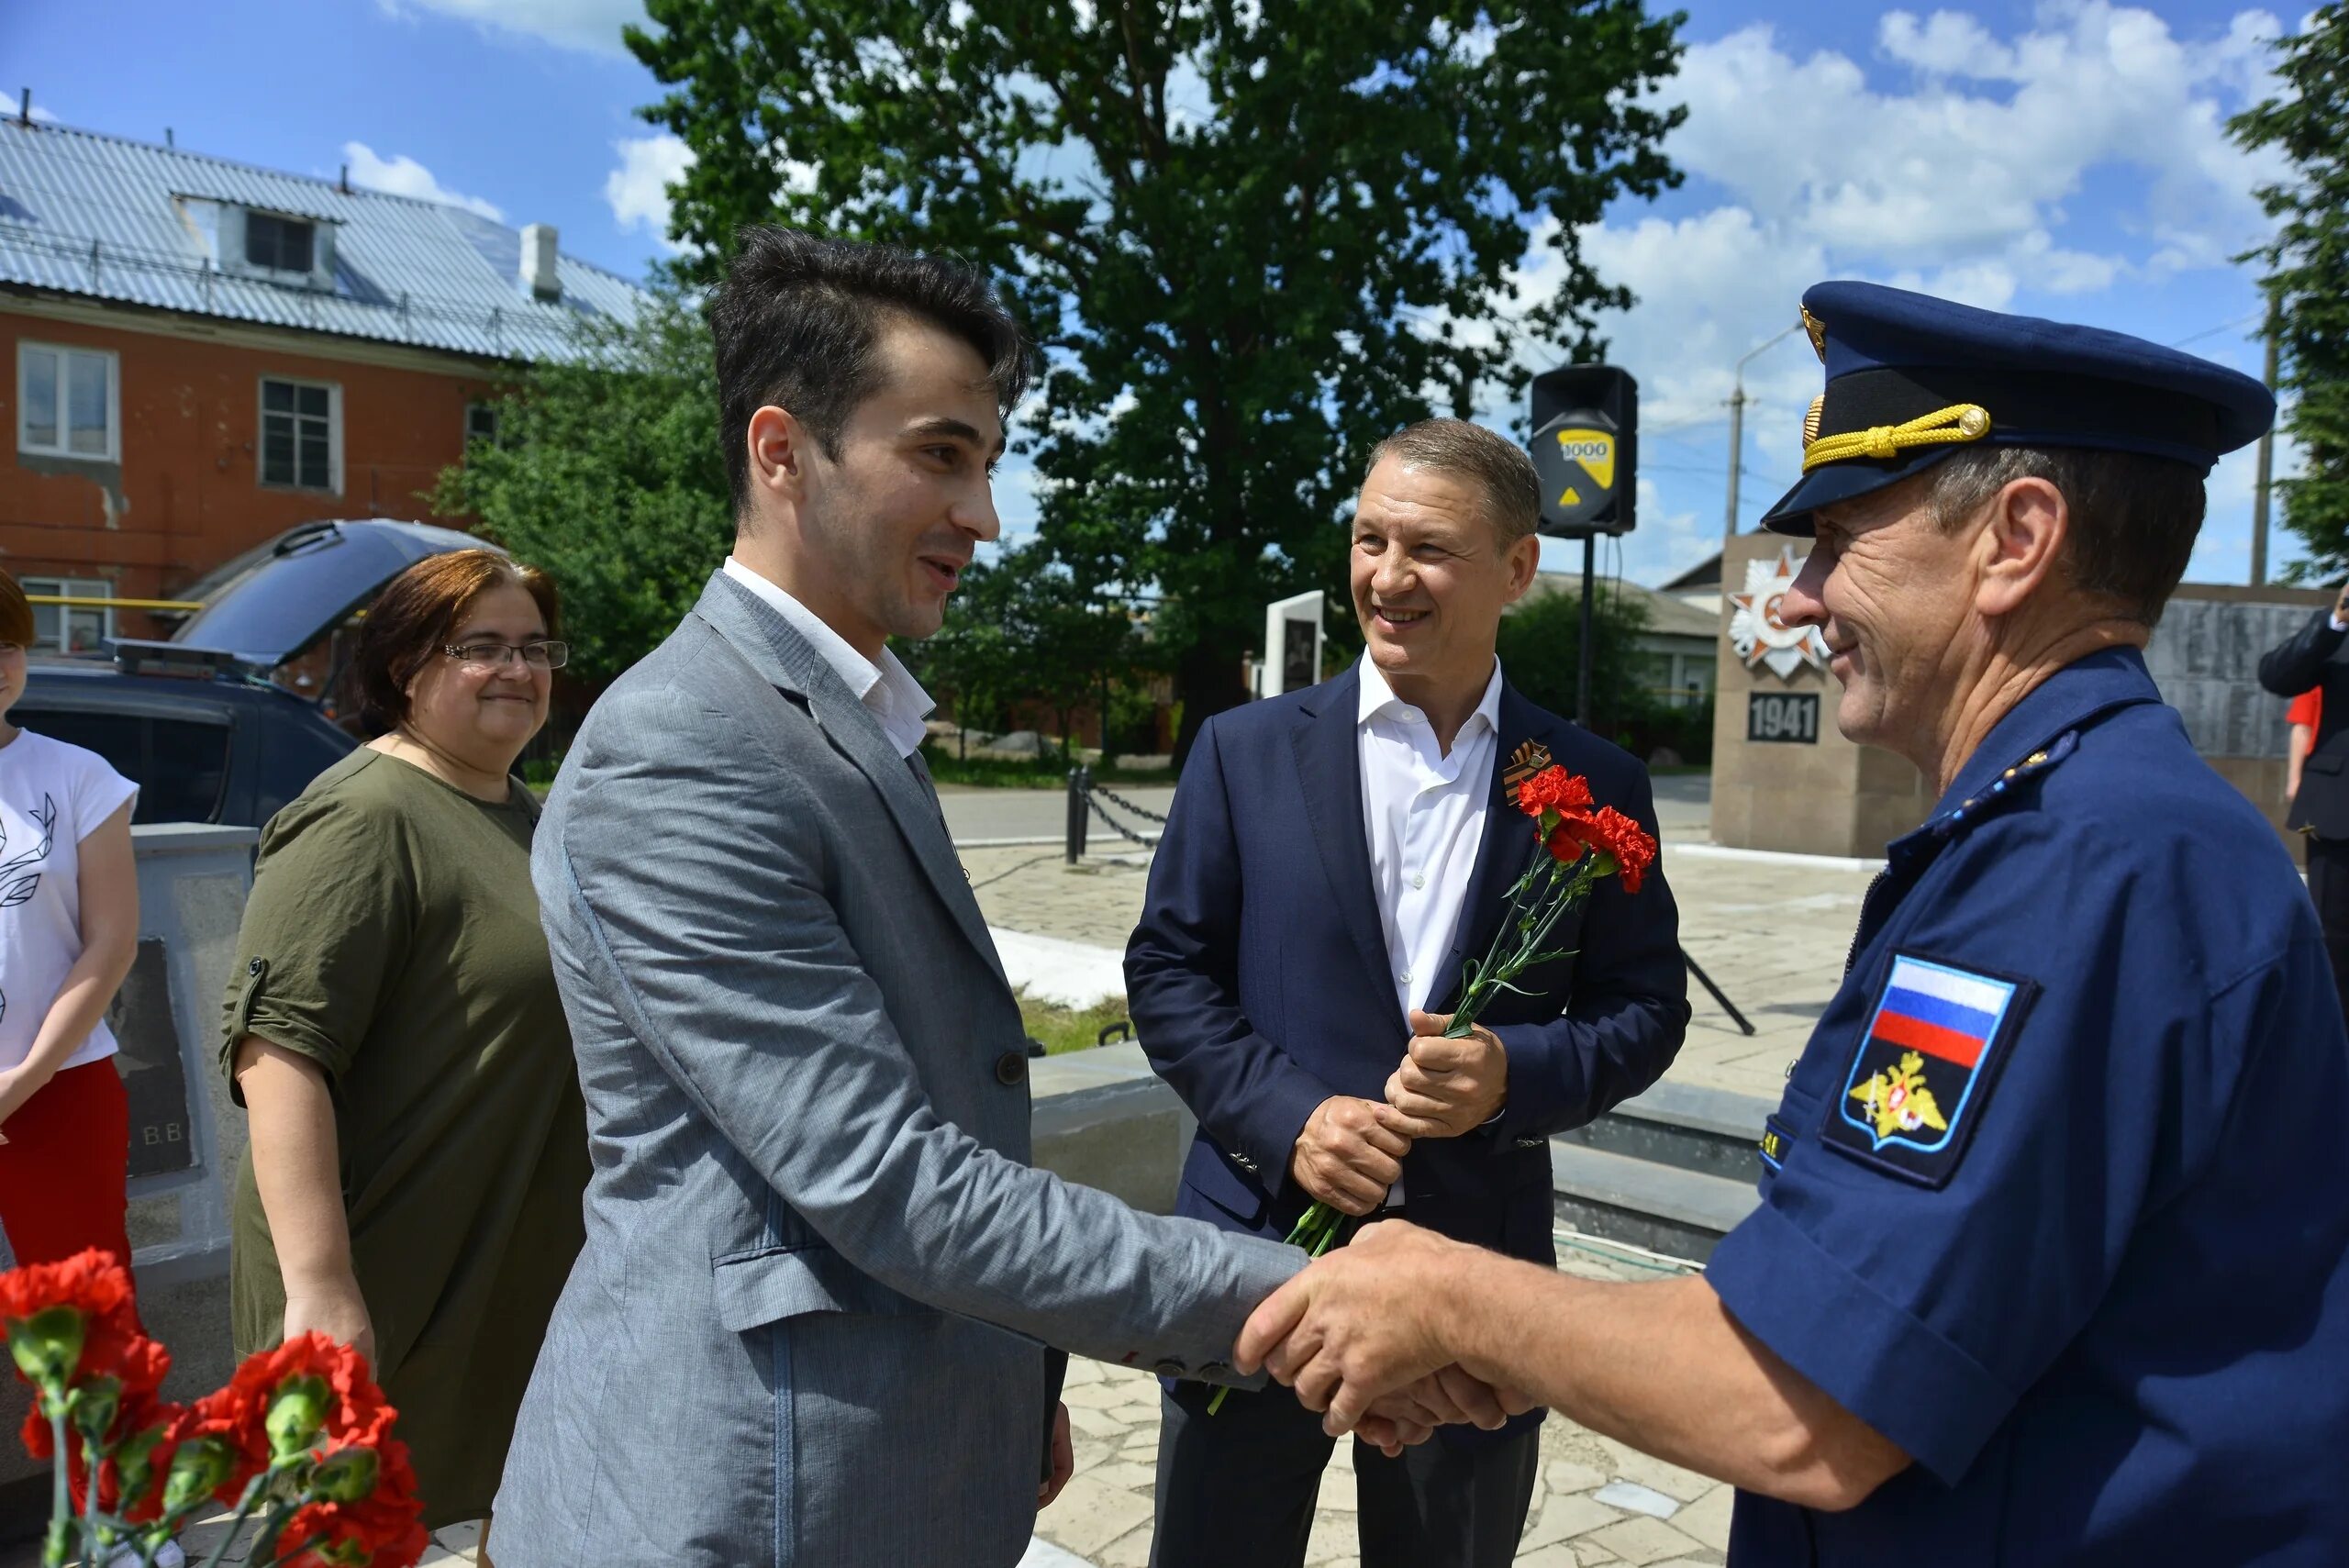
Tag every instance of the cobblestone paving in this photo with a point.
(1594, 1500)
(1772, 934)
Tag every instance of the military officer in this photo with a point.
(2052, 1261)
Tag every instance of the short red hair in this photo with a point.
(415, 616)
(15, 613)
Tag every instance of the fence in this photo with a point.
(1085, 803)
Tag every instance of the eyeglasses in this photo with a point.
(540, 655)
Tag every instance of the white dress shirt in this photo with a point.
(888, 688)
(1423, 812)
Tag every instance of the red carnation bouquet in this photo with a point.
(301, 1438)
(1577, 843)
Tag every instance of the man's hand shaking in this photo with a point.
(1361, 1334)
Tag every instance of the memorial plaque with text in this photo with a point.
(154, 1074)
(1788, 717)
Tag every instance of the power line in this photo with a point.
(2223, 326)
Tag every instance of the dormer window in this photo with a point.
(280, 244)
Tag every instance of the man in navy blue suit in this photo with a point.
(1333, 857)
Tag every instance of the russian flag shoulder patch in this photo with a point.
(1936, 1034)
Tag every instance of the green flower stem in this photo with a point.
(280, 1514)
(60, 1496)
(1540, 898)
(252, 1494)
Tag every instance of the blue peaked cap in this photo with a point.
(1911, 379)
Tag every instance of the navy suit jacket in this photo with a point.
(1259, 983)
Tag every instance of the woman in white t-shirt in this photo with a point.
(69, 928)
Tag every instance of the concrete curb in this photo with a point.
(1051, 969)
(1769, 857)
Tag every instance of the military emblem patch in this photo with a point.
(1924, 1067)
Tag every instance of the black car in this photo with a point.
(236, 714)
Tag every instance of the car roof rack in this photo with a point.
(137, 656)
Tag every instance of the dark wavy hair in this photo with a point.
(416, 613)
(797, 325)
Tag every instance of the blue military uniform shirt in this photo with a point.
(2057, 1199)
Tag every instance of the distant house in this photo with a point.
(1680, 644)
(1700, 586)
(205, 354)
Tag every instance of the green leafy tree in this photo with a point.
(608, 474)
(1024, 627)
(1540, 649)
(2308, 279)
(1251, 237)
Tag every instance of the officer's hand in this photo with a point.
(1446, 1088)
(1349, 1153)
(1362, 1323)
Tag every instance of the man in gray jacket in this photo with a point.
(810, 1320)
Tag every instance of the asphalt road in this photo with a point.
(1683, 803)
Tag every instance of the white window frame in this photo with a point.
(70, 588)
(25, 348)
(334, 436)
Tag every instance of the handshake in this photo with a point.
(1387, 1337)
(1349, 1156)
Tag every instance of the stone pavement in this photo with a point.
(1595, 1501)
(1771, 930)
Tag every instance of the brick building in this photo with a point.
(203, 354)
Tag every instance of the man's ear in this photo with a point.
(1524, 560)
(2021, 544)
(779, 448)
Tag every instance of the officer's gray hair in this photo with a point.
(1494, 465)
(2133, 517)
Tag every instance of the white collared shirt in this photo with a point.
(888, 688)
(1423, 812)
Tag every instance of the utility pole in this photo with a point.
(2266, 459)
(1737, 401)
(1736, 453)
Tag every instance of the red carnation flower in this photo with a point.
(381, 1528)
(1615, 835)
(93, 1285)
(1554, 789)
(1569, 839)
(354, 1409)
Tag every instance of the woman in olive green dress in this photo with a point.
(418, 1142)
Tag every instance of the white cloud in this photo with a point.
(638, 191)
(591, 25)
(404, 176)
(2082, 149)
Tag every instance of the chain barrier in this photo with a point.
(1106, 793)
(1083, 807)
(1116, 826)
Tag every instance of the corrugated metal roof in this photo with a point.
(119, 220)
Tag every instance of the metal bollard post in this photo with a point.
(1080, 784)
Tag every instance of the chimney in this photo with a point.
(537, 262)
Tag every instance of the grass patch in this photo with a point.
(1069, 1029)
(1047, 771)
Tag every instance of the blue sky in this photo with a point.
(2066, 160)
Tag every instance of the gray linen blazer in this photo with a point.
(807, 1328)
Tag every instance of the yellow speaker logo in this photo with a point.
(1594, 450)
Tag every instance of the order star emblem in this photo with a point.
(1757, 634)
